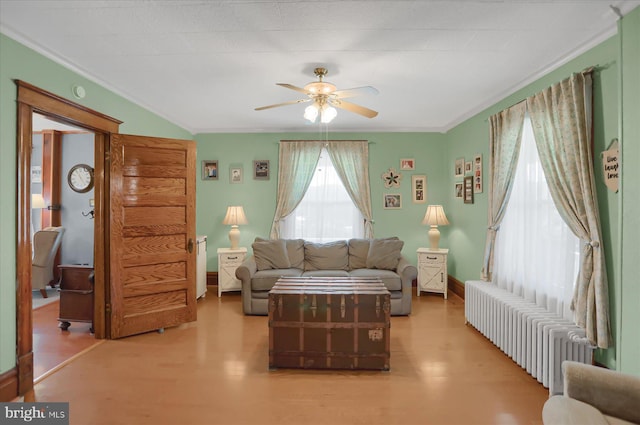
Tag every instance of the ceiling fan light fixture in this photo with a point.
(311, 113)
(328, 114)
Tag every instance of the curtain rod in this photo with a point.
(589, 70)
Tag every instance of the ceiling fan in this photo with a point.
(325, 96)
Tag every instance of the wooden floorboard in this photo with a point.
(215, 371)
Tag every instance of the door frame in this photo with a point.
(32, 99)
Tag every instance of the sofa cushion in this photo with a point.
(358, 251)
(295, 249)
(384, 254)
(271, 254)
(326, 256)
(565, 410)
(265, 279)
(326, 273)
(389, 278)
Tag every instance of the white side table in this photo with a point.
(432, 271)
(228, 261)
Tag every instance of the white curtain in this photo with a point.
(326, 212)
(544, 267)
(296, 166)
(351, 161)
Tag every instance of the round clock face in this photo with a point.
(80, 178)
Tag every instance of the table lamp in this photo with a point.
(235, 216)
(435, 217)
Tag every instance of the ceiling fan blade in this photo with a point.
(292, 87)
(357, 91)
(352, 107)
(291, 102)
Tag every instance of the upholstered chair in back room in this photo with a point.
(45, 246)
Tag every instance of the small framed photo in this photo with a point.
(459, 167)
(209, 170)
(468, 190)
(467, 167)
(235, 174)
(407, 164)
(477, 173)
(419, 189)
(261, 169)
(459, 190)
(392, 201)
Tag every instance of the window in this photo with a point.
(537, 255)
(326, 212)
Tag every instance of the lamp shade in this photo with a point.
(235, 215)
(435, 216)
(37, 201)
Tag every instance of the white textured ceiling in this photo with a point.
(205, 65)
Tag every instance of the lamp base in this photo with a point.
(234, 236)
(434, 237)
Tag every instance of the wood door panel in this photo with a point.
(154, 273)
(142, 155)
(149, 216)
(153, 223)
(162, 229)
(154, 186)
(153, 245)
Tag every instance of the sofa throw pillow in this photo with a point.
(295, 251)
(271, 254)
(326, 256)
(358, 252)
(384, 254)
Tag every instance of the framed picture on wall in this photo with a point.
(467, 167)
(468, 190)
(209, 170)
(459, 190)
(392, 201)
(459, 167)
(419, 189)
(407, 164)
(261, 169)
(235, 174)
(477, 173)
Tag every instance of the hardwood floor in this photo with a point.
(214, 371)
(52, 347)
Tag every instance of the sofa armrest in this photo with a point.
(245, 272)
(613, 393)
(406, 270)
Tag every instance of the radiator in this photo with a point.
(536, 339)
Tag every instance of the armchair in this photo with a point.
(45, 246)
(594, 395)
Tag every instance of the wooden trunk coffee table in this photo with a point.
(329, 323)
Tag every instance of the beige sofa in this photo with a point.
(594, 395)
(273, 259)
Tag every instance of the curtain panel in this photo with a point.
(561, 117)
(296, 165)
(351, 161)
(504, 145)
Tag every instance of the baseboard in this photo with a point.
(9, 385)
(455, 286)
(212, 278)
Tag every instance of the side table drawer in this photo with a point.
(231, 259)
(431, 259)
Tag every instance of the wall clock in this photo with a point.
(80, 178)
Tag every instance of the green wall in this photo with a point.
(628, 338)
(19, 62)
(258, 197)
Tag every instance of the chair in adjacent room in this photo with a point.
(45, 246)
